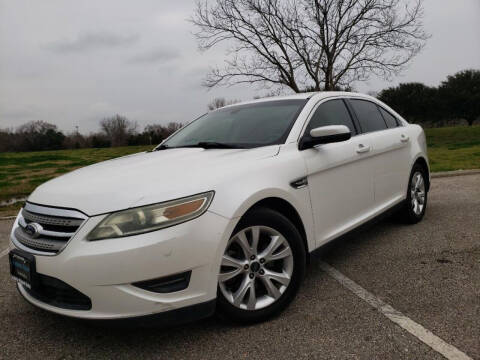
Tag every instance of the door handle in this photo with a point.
(363, 148)
(404, 138)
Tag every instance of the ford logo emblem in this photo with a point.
(33, 229)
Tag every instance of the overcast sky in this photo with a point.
(74, 62)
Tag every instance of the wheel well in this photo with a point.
(287, 210)
(423, 163)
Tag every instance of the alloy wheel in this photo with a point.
(417, 193)
(256, 268)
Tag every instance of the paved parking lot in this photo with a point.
(430, 272)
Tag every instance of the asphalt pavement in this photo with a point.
(430, 272)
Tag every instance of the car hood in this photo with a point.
(146, 178)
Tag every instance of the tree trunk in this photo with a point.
(329, 86)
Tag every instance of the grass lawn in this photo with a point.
(449, 148)
(454, 148)
(22, 172)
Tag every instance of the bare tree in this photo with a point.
(156, 133)
(172, 127)
(309, 44)
(36, 126)
(218, 103)
(118, 128)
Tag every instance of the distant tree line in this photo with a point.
(115, 131)
(457, 99)
(220, 102)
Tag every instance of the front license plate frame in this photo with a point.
(22, 267)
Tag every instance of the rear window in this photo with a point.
(368, 115)
(389, 118)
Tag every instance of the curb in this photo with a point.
(441, 174)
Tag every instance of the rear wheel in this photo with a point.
(417, 196)
(262, 267)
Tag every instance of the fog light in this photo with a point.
(166, 284)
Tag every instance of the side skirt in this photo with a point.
(361, 228)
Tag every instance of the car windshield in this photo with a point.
(240, 126)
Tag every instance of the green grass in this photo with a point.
(21, 172)
(454, 148)
(449, 148)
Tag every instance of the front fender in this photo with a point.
(299, 199)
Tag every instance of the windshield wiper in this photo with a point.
(161, 147)
(213, 145)
(204, 145)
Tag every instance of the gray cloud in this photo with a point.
(92, 41)
(158, 55)
(17, 114)
(155, 77)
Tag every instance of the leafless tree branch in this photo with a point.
(309, 44)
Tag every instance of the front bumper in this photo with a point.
(105, 270)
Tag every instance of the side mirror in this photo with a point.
(325, 135)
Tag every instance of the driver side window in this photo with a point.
(332, 112)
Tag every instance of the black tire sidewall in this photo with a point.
(277, 221)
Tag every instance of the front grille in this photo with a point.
(40, 243)
(54, 221)
(47, 229)
(57, 293)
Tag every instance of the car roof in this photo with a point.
(318, 95)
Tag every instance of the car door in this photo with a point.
(389, 151)
(339, 174)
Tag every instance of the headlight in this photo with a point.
(152, 217)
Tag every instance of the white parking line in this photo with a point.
(4, 252)
(417, 330)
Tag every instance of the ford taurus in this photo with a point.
(222, 215)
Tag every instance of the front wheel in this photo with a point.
(262, 267)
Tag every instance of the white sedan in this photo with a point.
(222, 215)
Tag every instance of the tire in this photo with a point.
(417, 196)
(280, 251)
